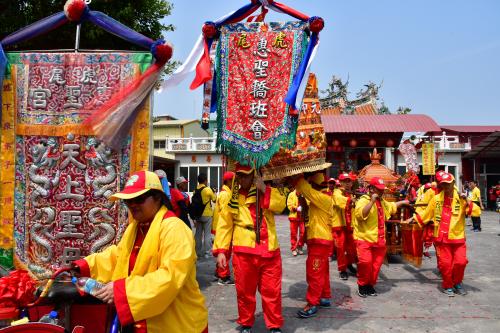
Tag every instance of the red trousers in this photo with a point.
(223, 273)
(317, 273)
(346, 250)
(297, 225)
(428, 235)
(252, 272)
(452, 259)
(370, 259)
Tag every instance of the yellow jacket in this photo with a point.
(456, 228)
(366, 228)
(292, 202)
(424, 198)
(222, 201)
(239, 229)
(208, 196)
(319, 228)
(475, 194)
(340, 201)
(162, 288)
(475, 197)
(473, 209)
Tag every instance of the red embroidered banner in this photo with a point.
(257, 62)
(61, 175)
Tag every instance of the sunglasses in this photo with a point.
(137, 200)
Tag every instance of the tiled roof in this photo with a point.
(176, 122)
(392, 123)
(471, 129)
(337, 110)
(365, 109)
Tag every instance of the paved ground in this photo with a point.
(409, 299)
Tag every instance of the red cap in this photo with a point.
(444, 177)
(378, 183)
(345, 176)
(331, 180)
(137, 184)
(427, 185)
(246, 169)
(439, 173)
(353, 176)
(228, 175)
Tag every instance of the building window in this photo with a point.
(159, 144)
(214, 175)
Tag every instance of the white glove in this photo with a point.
(299, 209)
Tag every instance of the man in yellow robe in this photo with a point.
(256, 263)
(150, 274)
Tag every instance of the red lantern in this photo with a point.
(390, 143)
(372, 143)
(353, 143)
(336, 143)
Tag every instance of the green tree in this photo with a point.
(403, 110)
(384, 109)
(144, 16)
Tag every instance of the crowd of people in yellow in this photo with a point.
(150, 274)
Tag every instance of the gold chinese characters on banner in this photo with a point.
(428, 159)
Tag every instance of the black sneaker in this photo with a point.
(246, 329)
(275, 330)
(343, 275)
(371, 291)
(352, 269)
(308, 311)
(225, 282)
(362, 292)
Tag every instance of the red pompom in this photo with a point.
(209, 30)
(316, 24)
(74, 9)
(164, 52)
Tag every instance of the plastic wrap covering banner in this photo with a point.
(255, 66)
(56, 176)
(409, 153)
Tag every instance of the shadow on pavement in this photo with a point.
(343, 310)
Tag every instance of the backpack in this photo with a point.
(197, 206)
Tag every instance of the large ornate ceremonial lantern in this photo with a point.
(376, 169)
(309, 152)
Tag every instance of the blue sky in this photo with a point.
(440, 58)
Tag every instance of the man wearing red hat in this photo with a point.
(319, 243)
(297, 228)
(448, 209)
(223, 273)
(343, 237)
(371, 212)
(256, 264)
(150, 274)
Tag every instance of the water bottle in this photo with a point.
(87, 285)
(50, 318)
